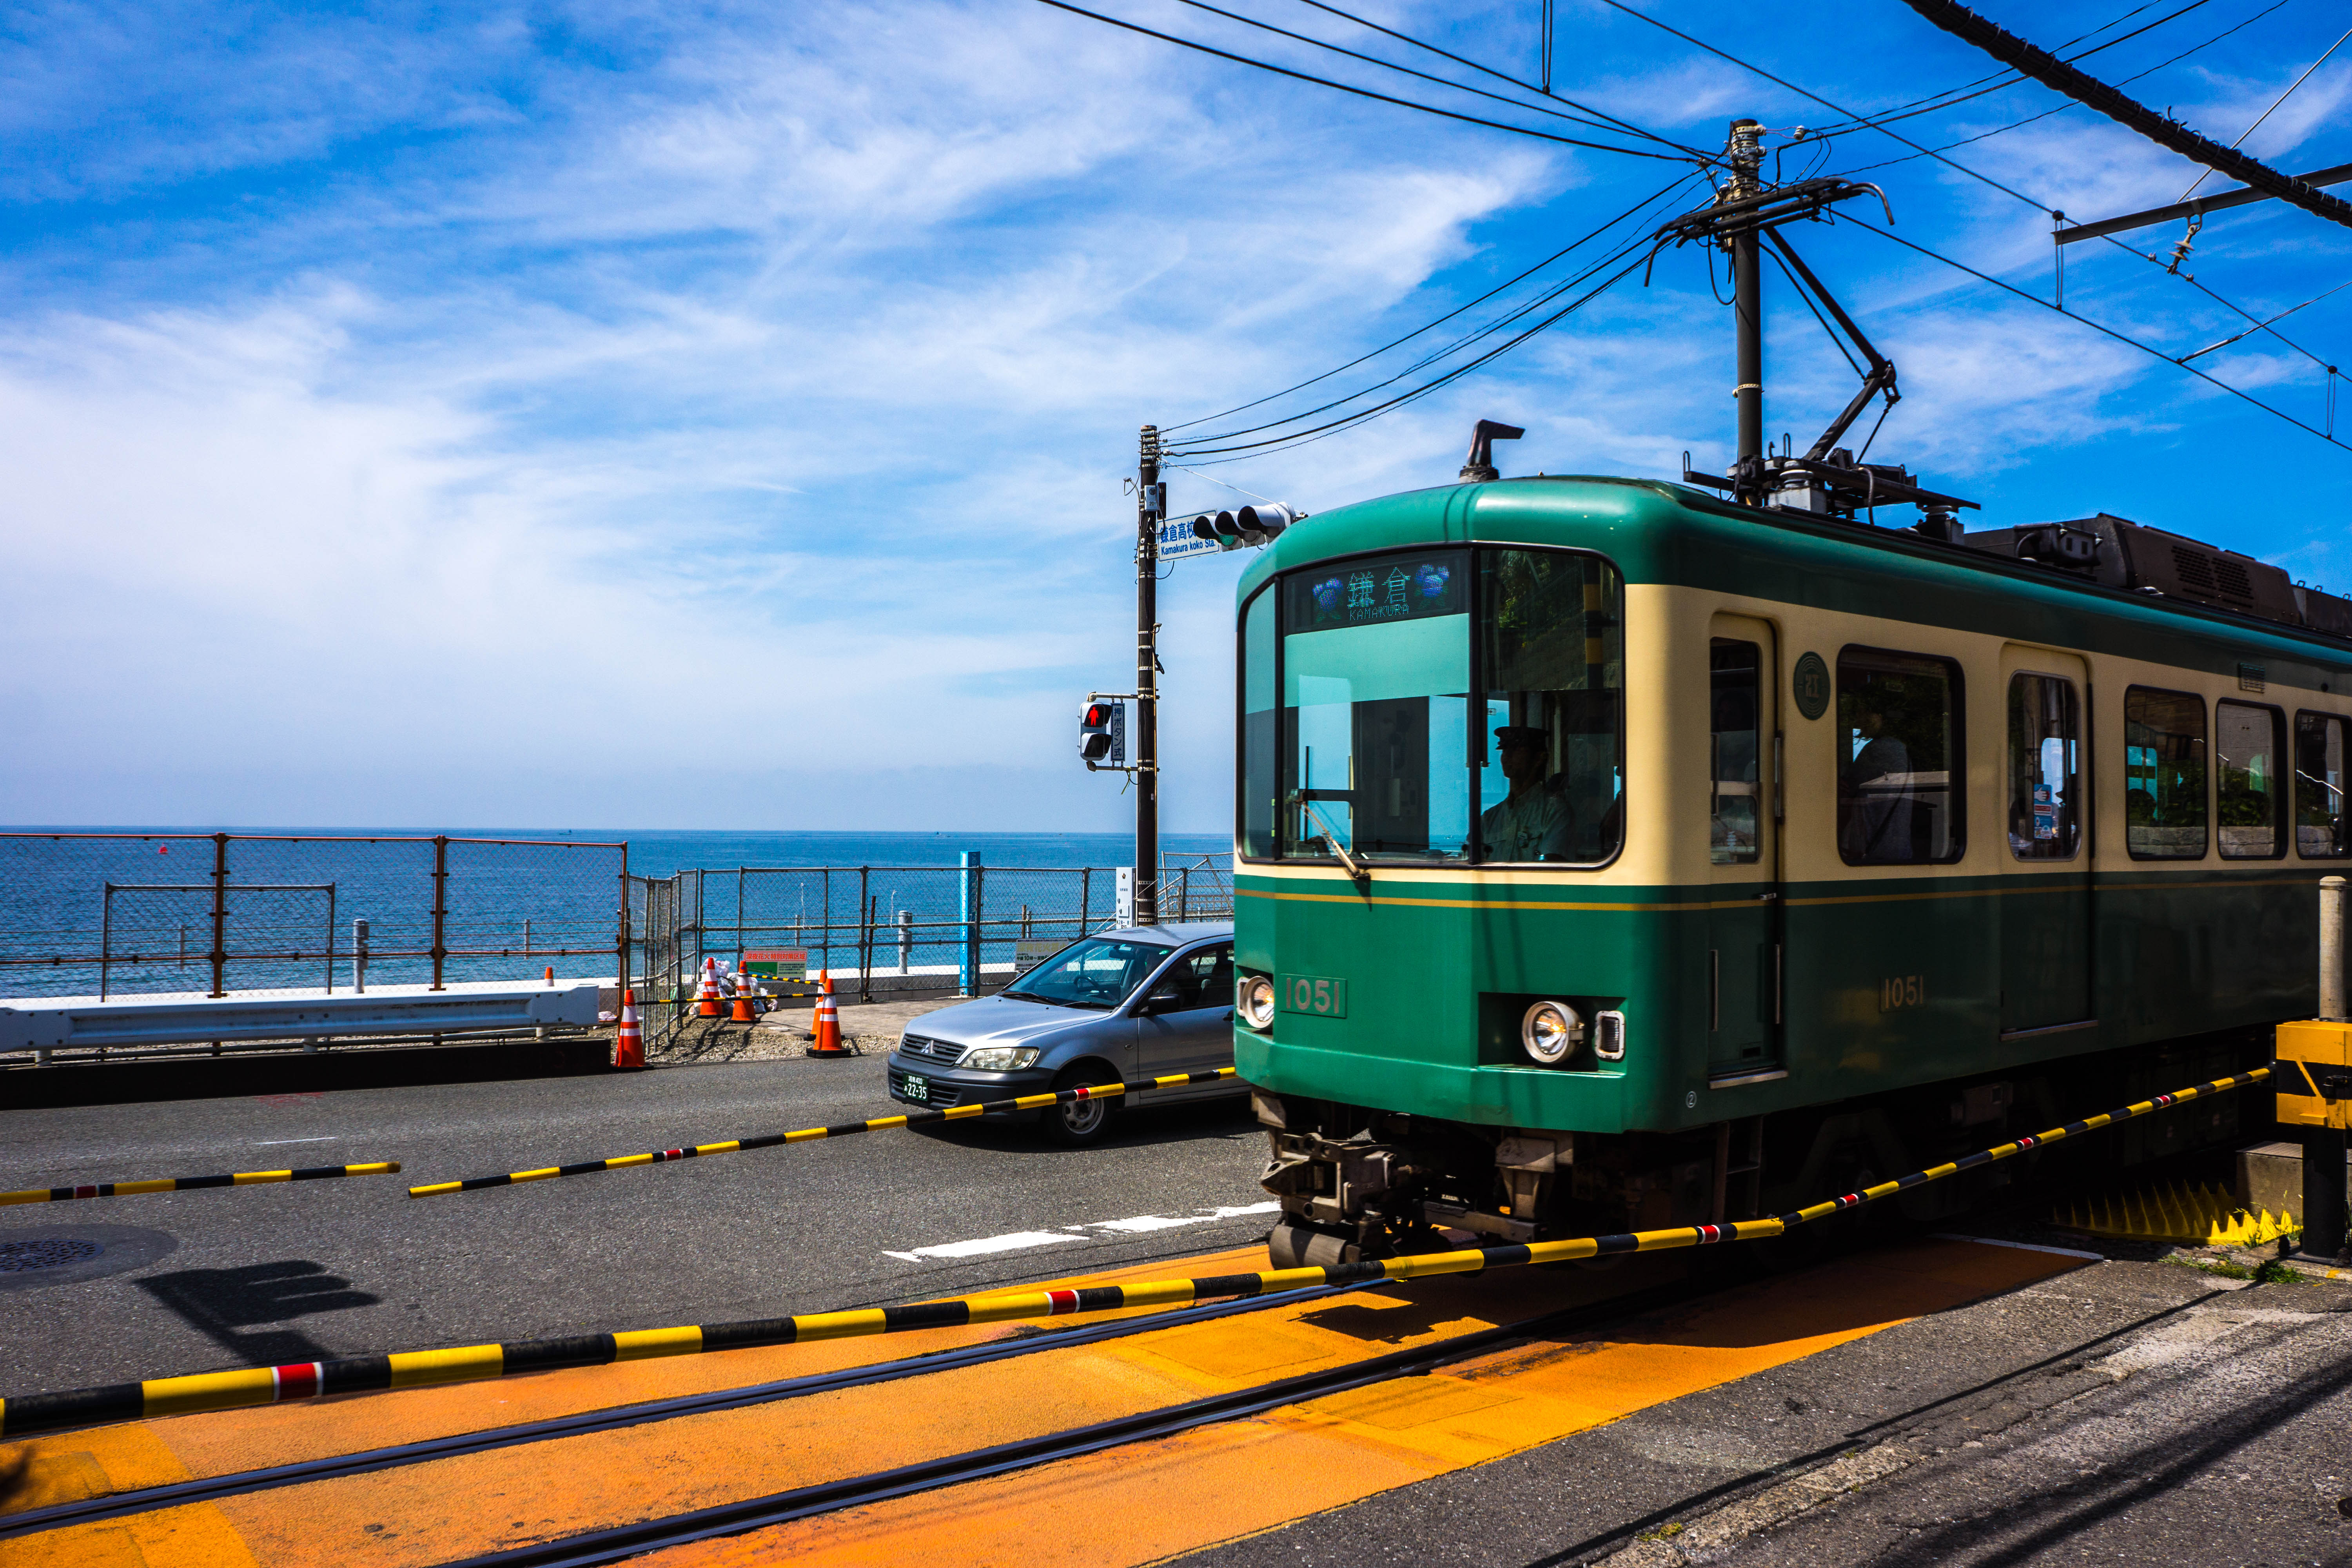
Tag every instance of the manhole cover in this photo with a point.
(47, 1252)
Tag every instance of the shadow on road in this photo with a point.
(234, 1307)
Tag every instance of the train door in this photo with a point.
(1744, 926)
(2045, 903)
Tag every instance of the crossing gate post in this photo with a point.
(968, 896)
(440, 902)
(2314, 1081)
(220, 914)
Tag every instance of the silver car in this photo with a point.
(1142, 1002)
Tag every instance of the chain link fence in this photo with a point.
(111, 915)
(889, 929)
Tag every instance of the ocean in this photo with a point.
(133, 912)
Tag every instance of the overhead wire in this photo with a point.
(1189, 456)
(1586, 120)
(1358, 91)
(1461, 60)
(2101, 328)
(2012, 191)
(2070, 103)
(1429, 326)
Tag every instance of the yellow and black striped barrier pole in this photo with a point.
(811, 1134)
(411, 1368)
(190, 1184)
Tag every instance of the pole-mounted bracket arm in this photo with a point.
(1764, 211)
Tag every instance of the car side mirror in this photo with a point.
(1167, 999)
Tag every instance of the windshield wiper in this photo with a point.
(1331, 836)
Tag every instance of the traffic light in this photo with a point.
(1251, 525)
(1102, 733)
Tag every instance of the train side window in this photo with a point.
(1734, 788)
(2319, 816)
(2164, 775)
(1899, 752)
(2044, 771)
(2250, 796)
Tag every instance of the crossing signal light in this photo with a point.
(1251, 525)
(1102, 733)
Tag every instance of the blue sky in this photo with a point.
(699, 417)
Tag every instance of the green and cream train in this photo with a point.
(1611, 857)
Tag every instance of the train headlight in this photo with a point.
(1550, 1032)
(1255, 1002)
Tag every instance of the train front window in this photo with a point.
(1375, 708)
(1551, 658)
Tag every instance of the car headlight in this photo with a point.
(1550, 1032)
(1000, 1059)
(1255, 1002)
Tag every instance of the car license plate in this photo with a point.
(914, 1088)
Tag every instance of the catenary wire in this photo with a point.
(2006, 190)
(1470, 305)
(1358, 91)
(1259, 448)
(2266, 113)
(1423, 76)
(2101, 328)
(1954, 97)
(1499, 76)
(2070, 103)
(1445, 350)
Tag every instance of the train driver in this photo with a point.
(1532, 822)
(1878, 793)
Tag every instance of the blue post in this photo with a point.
(968, 898)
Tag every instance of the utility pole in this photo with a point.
(1150, 509)
(1747, 154)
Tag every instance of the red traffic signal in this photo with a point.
(1102, 733)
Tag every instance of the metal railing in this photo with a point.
(110, 914)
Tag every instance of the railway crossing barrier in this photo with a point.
(811, 1134)
(189, 1183)
(152, 1397)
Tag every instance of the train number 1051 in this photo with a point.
(1313, 993)
(1902, 991)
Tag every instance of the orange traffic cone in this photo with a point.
(629, 1045)
(706, 1000)
(742, 1013)
(827, 1034)
(550, 975)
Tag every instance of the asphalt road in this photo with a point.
(191, 1282)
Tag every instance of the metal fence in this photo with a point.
(887, 929)
(104, 914)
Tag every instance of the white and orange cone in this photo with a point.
(742, 1013)
(706, 1000)
(826, 1040)
(629, 1045)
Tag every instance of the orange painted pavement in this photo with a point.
(1144, 1502)
(1357, 1444)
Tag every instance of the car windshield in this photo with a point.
(1100, 971)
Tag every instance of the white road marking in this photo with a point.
(1094, 1230)
(269, 1143)
(1015, 1242)
(1140, 1224)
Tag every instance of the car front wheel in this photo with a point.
(1080, 1123)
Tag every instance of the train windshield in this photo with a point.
(1360, 730)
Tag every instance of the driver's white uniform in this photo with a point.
(1532, 826)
